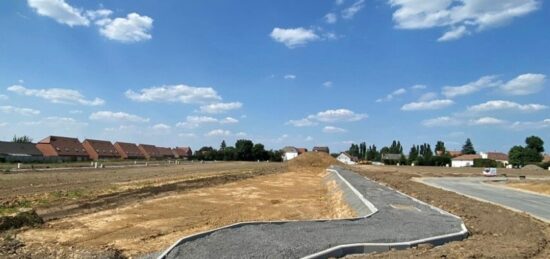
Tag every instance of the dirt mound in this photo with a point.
(532, 167)
(313, 159)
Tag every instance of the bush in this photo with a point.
(545, 165)
(480, 162)
(441, 161)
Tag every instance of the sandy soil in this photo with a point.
(537, 186)
(495, 232)
(154, 224)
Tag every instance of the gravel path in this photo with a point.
(536, 205)
(399, 219)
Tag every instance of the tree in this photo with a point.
(243, 149)
(535, 143)
(363, 150)
(354, 150)
(22, 139)
(223, 145)
(259, 153)
(413, 154)
(372, 153)
(515, 156)
(440, 148)
(468, 148)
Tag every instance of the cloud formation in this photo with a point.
(57, 95)
(116, 117)
(294, 37)
(427, 105)
(175, 93)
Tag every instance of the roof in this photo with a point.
(497, 156)
(301, 150)
(466, 157)
(183, 151)
(151, 150)
(64, 146)
(455, 153)
(103, 148)
(130, 149)
(19, 149)
(289, 150)
(350, 156)
(165, 151)
(391, 156)
(321, 149)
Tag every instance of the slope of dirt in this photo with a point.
(495, 232)
(154, 224)
(318, 160)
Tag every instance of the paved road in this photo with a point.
(399, 219)
(536, 205)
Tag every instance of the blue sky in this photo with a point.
(300, 73)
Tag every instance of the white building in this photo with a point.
(289, 153)
(464, 160)
(499, 157)
(346, 159)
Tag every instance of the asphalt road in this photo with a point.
(536, 205)
(399, 219)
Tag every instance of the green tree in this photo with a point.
(413, 154)
(468, 148)
(223, 145)
(259, 153)
(516, 156)
(440, 148)
(243, 149)
(22, 139)
(535, 143)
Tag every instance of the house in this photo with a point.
(100, 149)
(347, 158)
(183, 152)
(454, 153)
(19, 152)
(165, 152)
(289, 153)
(63, 147)
(301, 150)
(499, 157)
(128, 150)
(321, 149)
(149, 151)
(464, 160)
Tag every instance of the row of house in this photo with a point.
(71, 149)
(468, 160)
(290, 153)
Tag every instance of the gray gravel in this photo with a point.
(399, 219)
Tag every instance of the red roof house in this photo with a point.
(100, 149)
(128, 150)
(149, 151)
(183, 152)
(55, 146)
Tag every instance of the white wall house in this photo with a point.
(346, 159)
(464, 160)
(289, 153)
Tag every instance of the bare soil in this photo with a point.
(538, 186)
(495, 232)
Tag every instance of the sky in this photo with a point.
(300, 73)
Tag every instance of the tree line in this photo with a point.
(244, 150)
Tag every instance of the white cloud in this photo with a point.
(3, 97)
(351, 11)
(17, 110)
(290, 77)
(337, 115)
(453, 34)
(241, 134)
(57, 95)
(301, 123)
(116, 117)
(308, 138)
(133, 28)
(524, 84)
(161, 127)
(331, 18)
(530, 125)
(187, 135)
(427, 96)
(218, 133)
(389, 97)
(505, 105)
(419, 87)
(459, 18)
(327, 84)
(294, 37)
(220, 107)
(3, 124)
(75, 111)
(175, 93)
(60, 11)
(428, 105)
(332, 129)
(444, 121)
(472, 87)
(338, 2)
(196, 121)
(229, 120)
(99, 15)
(487, 121)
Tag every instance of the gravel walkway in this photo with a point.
(399, 219)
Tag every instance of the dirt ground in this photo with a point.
(151, 225)
(537, 186)
(495, 232)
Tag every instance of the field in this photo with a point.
(542, 187)
(129, 212)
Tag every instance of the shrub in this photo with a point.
(480, 162)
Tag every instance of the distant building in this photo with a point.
(100, 149)
(183, 152)
(455, 153)
(499, 157)
(165, 152)
(464, 160)
(347, 158)
(391, 157)
(301, 150)
(546, 158)
(321, 149)
(19, 152)
(63, 147)
(128, 150)
(149, 151)
(289, 153)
